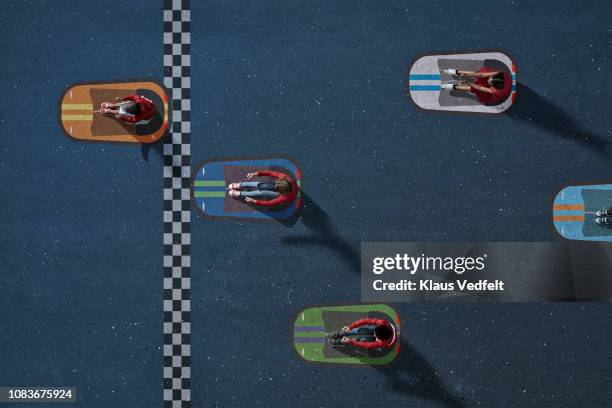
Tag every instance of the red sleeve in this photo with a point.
(486, 70)
(366, 344)
(270, 203)
(271, 173)
(129, 98)
(367, 321)
(129, 119)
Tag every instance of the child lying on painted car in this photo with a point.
(491, 87)
(266, 193)
(132, 109)
(368, 333)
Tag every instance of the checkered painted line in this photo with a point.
(177, 213)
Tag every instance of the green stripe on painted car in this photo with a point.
(211, 194)
(209, 183)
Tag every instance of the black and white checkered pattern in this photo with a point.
(177, 215)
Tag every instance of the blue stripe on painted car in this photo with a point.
(424, 77)
(306, 329)
(568, 212)
(424, 87)
(302, 340)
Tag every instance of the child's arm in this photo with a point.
(487, 74)
(271, 173)
(365, 344)
(270, 203)
(482, 88)
(128, 119)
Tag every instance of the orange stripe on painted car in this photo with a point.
(569, 218)
(568, 207)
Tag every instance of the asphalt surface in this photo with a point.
(322, 83)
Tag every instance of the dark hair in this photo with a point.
(132, 107)
(283, 186)
(383, 332)
(498, 81)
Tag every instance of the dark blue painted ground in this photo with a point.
(80, 288)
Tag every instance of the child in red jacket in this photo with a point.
(265, 193)
(368, 333)
(491, 87)
(132, 109)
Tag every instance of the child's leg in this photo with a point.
(363, 333)
(467, 73)
(110, 105)
(462, 87)
(363, 330)
(248, 184)
(265, 194)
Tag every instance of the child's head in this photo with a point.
(132, 108)
(383, 332)
(283, 186)
(497, 81)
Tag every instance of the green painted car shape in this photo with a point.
(313, 324)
